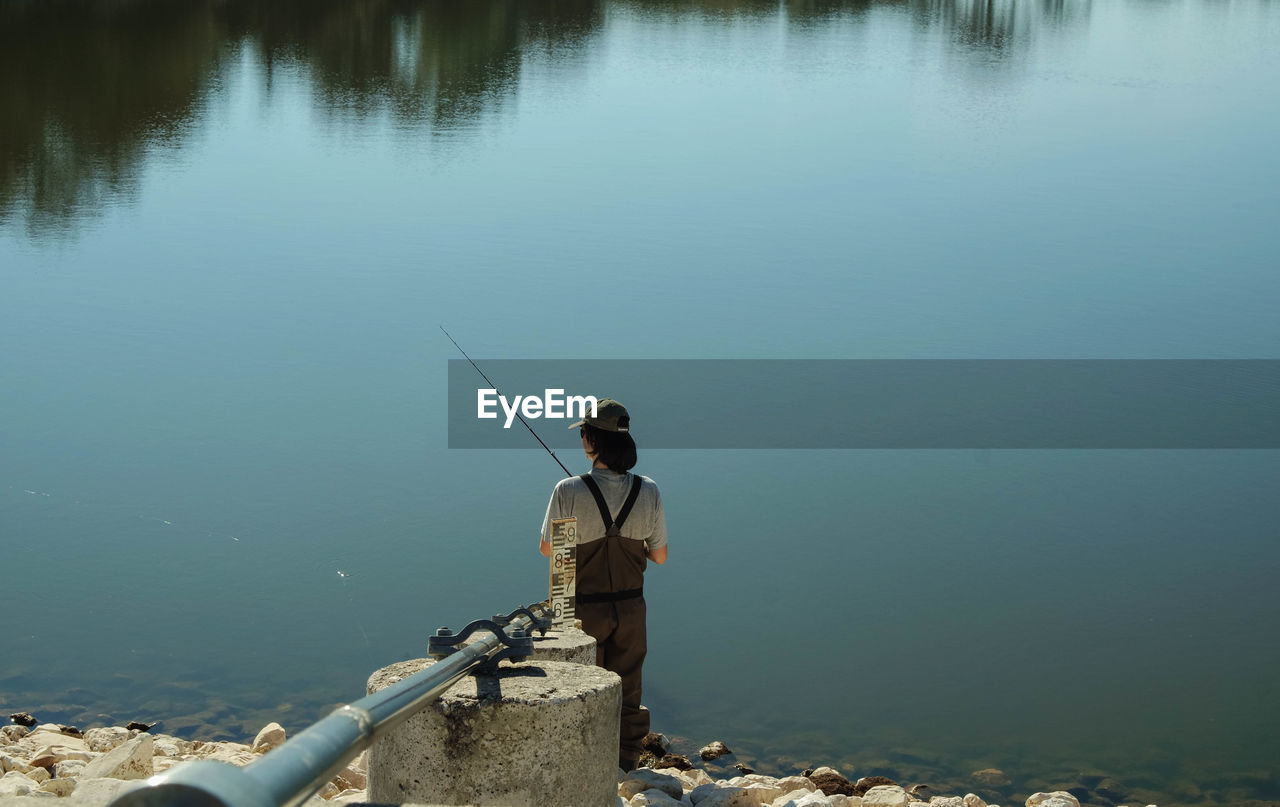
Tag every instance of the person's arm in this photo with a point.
(658, 556)
(544, 546)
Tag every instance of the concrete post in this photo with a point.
(564, 644)
(536, 733)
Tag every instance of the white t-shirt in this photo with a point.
(572, 497)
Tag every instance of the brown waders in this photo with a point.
(610, 603)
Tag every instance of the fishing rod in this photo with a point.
(495, 389)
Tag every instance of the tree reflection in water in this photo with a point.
(93, 86)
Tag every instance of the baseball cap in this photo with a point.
(610, 416)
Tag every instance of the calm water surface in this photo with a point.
(229, 230)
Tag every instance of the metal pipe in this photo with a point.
(290, 774)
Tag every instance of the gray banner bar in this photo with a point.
(891, 403)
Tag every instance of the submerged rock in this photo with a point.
(714, 750)
(136, 726)
(23, 719)
(991, 777)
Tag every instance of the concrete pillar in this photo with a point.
(564, 644)
(536, 733)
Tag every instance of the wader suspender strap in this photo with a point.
(612, 529)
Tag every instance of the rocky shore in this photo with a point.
(48, 761)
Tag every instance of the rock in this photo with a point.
(136, 726)
(130, 760)
(8, 763)
(845, 801)
(831, 783)
(351, 779)
(699, 777)
(728, 797)
(973, 800)
(16, 784)
(714, 750)
(59, 787)
(789, 783)
(789, 798)
(71, 731)
(743, 768)
(49, 755)
(106, 738)
(813, 798)
(14, 733)
(1110, 789)
(23, 719)
(1057, 798)
(946, 801)
(678, 761)
(886, 796)
(991, 777)
(920, 792)
(652, 798)
(39, 775)
(271, 736)
(69, 769)
(867, 782)
(656, 744)
(167, 746)
(643, 779)
(102, 791)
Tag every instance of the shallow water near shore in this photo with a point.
(228, 232)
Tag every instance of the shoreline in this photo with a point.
(40, 761)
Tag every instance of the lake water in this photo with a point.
(229, 231)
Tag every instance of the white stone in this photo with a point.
(131, 760)
(16, 784)
(59, 787)
(885, 796)
(1056, 798)
(642, 779)
(14, 733)
(825, 770)
(69, 769)
(101, 792)
(841, 800)
(946, 801)
(49, 755)
(973, 800)
(106, 738)
(789, 783)
(728, 797)
(918, 804)
(271, 736)
(166, 746)
(8, 763)
(699, 777)
(38, 775)
(813, 799)
(652, 798)
(789, 798)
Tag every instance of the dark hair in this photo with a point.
(615, 449)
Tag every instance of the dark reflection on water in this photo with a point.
(95, 85)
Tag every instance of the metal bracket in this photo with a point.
(541, 620)
(518, 646)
